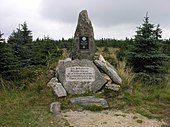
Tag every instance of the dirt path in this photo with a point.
(108, 119)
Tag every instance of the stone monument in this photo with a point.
(81, 73)
(84, 45)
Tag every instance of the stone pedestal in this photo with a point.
(80, 76)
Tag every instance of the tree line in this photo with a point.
(20, 51)
(147, 53)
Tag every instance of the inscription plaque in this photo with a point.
(78, 73)
(84, 42)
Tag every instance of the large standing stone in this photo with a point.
(84, 45)
(90, 101)
(80, 76)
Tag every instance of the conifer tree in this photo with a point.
(146, 56)
(1, 39)
(9, 64)
(21, 41)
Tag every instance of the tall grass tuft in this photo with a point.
(126, 73)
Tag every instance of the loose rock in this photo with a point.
(112, 86)
(90, 101)
(55, 107)
(52, 82)
(57, 87)
(59, 90)
(109, 70)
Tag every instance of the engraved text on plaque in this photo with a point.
(78, 73)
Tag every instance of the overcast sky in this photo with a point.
(58, 18)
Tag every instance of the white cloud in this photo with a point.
(58, 18)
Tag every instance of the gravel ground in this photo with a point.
(109, 119)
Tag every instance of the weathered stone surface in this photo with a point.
(101, 58)
(59, 90)
(80, 76)
(105, 76)
(109, 70)
(52, 82)
(84, 46)
(61, 62)
(57, 87)
(112, 86)
(90, 101)
(55, 107)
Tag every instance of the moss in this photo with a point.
(139, 121)
(93, 108)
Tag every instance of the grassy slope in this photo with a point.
(30, 107)
(27, 109)
(150, 101)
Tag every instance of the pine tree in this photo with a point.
(45, 51)
(21, 41)
(9, 65)
(146, 56)
(1, 39)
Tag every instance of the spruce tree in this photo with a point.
(9, 65)
(21, 41)
(1, 39)
(146, 57)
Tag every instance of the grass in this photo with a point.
(27, 109)
(93, 108)
(29, 106)
(165, 125)
(126, 74)
(150, 101)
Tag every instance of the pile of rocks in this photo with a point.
(81, 73)
(63, 83)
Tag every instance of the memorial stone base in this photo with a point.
(80, 76)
